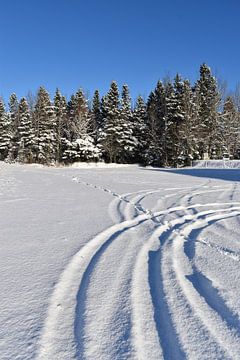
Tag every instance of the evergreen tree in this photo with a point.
(79, 146)
(26, 134)
(5, 132)
(126, 139)
(60, 106)
(179, 123)
(169, 136)
(140, 130)
(207, 99)
(175, 118)
(96, 116)
(228, 130)
(188, 143)
(156, 110)
(45, 128)
(70, 116)
(81, 149)
(14, 122)
(109, 139)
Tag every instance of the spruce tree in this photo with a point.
(45, 128)
(109, 139)
(96, 116)
(127, 141)
(175, 120)
(189, 149)
(26, 133)
(60, 107)
(207, 99)
(156, 110)
(5, 132)
(228, 130)
(168, 137)
(14, 120)
(140, 130)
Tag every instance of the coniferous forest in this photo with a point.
(178, 123)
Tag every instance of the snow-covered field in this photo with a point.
(119, 263)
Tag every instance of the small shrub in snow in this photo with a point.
(82, 149)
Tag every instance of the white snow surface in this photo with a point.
(119, 263)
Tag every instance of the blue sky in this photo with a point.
(88, 43)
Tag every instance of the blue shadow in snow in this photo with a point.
(205, 287)
(167, 335)
(211, 295)
(123, 346)
(223, 174)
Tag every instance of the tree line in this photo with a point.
(178, 123)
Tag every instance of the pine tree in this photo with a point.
(14, 120)
(96, 116)
(109, 138)
(228, 130)
(156, 110)
(5, 132)
(26, 133)
(207, 99)
(45, 128)
(60, 107)
(140, 130)
(189, 150)
(81, 149)
(126, 139)
(175, 118)
(169, 136)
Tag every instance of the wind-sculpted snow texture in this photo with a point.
(123, 263)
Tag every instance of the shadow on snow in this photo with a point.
(223, 174)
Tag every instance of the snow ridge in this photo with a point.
(135, 292)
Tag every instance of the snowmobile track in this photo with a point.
(153, 282)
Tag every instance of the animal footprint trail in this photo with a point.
(138, 270)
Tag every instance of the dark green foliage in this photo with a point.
(178, 123)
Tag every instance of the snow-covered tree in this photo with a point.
(169, 133)
(109, 137)
(96, 116)
(175, 119)
(229, 130)
(26, 133)
(81, 118)
(14, 119)
(156, 110)
(140, 130)
(45, 120)
(62, 126)
(127, 140)
(79, 146)
(207, 100)
(5, 132)
(188, 143)
(81, 149)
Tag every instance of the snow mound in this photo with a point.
(84, 165)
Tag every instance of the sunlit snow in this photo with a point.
(119, 262)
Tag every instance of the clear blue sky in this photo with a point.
(89, 43)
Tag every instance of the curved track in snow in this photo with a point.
(135, 290)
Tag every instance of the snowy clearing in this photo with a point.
(119, 263)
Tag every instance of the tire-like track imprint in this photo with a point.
(134, 292)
